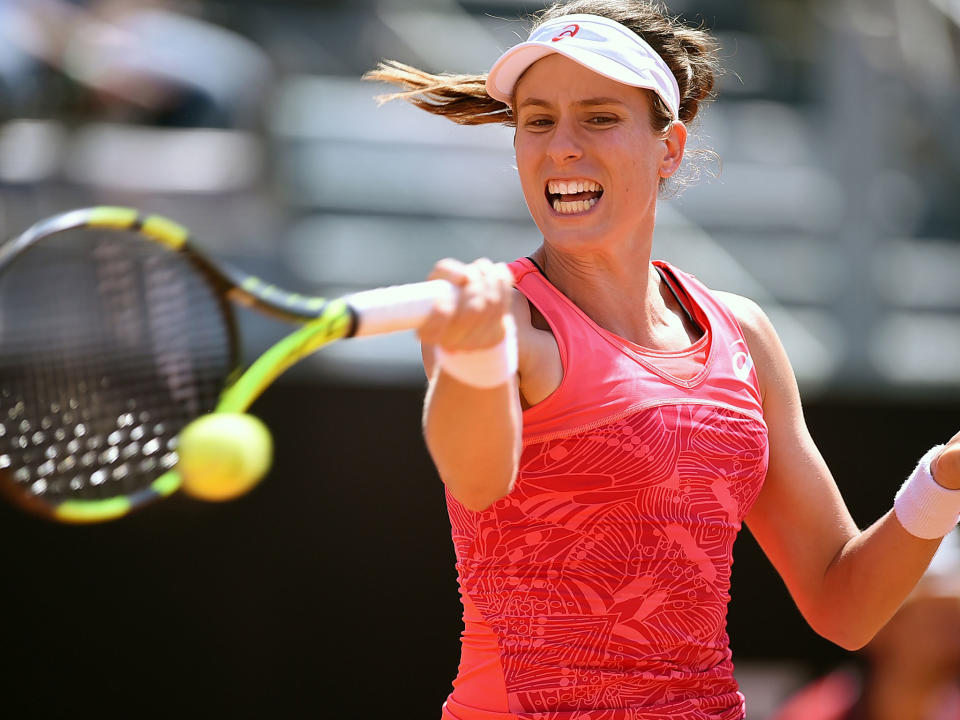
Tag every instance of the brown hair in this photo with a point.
(690, 53)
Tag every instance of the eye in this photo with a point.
(538, 123)
(602, 119)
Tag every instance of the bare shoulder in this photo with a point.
(753, 320)
(773, 365)
(757, 328)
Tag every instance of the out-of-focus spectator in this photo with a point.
(20, 64)
(143, 60)
(911, 669)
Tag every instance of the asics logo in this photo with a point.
(568, 31)
(742, 362)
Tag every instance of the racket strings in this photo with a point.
(109, 345)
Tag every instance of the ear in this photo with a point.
(675, 140)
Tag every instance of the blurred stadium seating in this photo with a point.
(834, 206)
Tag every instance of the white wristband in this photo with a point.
(925, 508)
(486, 368)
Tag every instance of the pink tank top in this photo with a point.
(599, 587)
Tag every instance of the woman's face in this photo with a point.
(590, 163)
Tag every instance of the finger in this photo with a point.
(432, 330)
(945, 468)
(479, 319)
(476, 319)
(451, 270)
(468, 315)
(489, 312)
(499, 284)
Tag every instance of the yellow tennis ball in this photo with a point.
(223, 455)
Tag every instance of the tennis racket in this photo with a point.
(116, 332)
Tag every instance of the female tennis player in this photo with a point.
(604, 424)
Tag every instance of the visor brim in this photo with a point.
(510, 67)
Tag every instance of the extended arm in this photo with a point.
(846, 582)
(473, 433)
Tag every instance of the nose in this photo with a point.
(564, 146)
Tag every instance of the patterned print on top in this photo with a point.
(599, 587)
(605, 574)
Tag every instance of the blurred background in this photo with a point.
(330, 590)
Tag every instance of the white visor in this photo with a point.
(602, 45)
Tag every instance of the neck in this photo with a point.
(610, 288)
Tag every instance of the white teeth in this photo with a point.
(555, 187)
(570, 208)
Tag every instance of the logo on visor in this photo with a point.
(568, 32)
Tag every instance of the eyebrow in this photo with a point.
(589, 102)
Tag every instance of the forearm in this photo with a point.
(472, 414)
(846, 582)
(876, 569)
(868, 580)
(474, 437)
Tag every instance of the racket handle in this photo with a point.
(400, 307)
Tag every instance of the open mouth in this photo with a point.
(570, 197)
